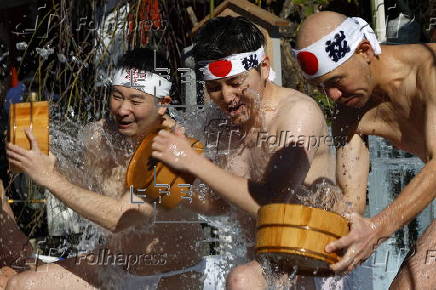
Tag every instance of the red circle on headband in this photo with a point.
(308, 62)
(220, 68)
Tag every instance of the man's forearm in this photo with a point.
(208, 205)
(232, 188)
(412, 200)
(102, 210)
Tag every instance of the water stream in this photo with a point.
(391, 170)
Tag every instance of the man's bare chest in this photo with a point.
(249, 163)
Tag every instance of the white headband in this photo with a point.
(234, 64)
(335, 48)
(145, 81)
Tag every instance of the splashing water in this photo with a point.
(216, 135)
(68, 143)
(323, 195)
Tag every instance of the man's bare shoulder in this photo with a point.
(431, 46)
(426, 73)
(291, 99)
(418, 54)
(425, 54)
(298, 107)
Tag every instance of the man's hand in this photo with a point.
(39, 167)
(174, 150)
(360, 242)
(168, 122)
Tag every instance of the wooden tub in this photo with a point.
(33, 115)
(147, 176)
(293, 237)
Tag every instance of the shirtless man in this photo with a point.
(388, 91)
(260, 169)
(14, 245)
(135, 113)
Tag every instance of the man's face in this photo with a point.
(350, 84)
(227, 94)
(135, 112)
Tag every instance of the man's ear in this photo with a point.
(366, 50)
(265, 65)
(163, 105)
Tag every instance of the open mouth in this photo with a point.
(235, 109)
(124, 124)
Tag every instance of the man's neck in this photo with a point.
(269, 97)
(389, 71)
(268, 105)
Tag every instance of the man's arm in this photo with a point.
(352, 169)
(232, 188)
(114, 215)
(422, 189)
(306, 120)
(367, 234)
(205, 201)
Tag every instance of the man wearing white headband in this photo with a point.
(275, 152)
(388, 91)
(142, 253)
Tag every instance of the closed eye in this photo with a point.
(213, 88)
(236, 85)
(334, 82)
(136, 102)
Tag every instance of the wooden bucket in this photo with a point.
(153, 179)
(293, 237)
(33, 115)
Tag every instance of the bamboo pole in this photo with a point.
(379, 19)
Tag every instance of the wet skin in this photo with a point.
(392, 96)
(136, 115)
(255, 175)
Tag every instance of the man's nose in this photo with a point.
(333, 93)
(125, 108)
(229, 94)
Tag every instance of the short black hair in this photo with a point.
(223, 36)
(142, 59)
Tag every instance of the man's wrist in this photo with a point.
(196, 162)
(383, 230)
(53, 181)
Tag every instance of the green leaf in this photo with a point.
(308, 10)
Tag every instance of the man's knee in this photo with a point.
(246, 276)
